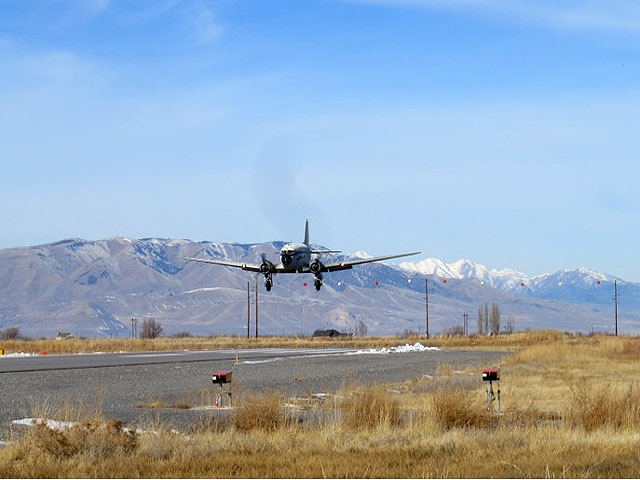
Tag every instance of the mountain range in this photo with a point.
(94, 288)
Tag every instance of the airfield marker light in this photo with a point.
(409, 281)
(522, 284)
(304, 284)
(491, 375)
(444, 281)
(376, 282)
(222, 379)
(598, 282)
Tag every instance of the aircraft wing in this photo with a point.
(334, 267)
(244, 266)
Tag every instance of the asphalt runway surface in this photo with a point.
(120, 383)
(123, 359)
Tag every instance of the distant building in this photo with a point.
(64, 336)
(331, 332)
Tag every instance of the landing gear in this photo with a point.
(318, 281)
(268, 281)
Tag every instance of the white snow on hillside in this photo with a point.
(506, 279)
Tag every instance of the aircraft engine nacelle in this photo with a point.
(316, 266)
(286, 259)
(266, 267)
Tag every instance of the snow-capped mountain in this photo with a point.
(583, 285)
(504, 279)
(93, 288)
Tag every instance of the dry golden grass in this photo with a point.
(459, 409)
(77, 345)
(259, 413)
(370, 408)
(571, 409)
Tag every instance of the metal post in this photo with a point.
(134, 327)
(248, 310)
(615, 286)
(256, 306)
(426, 291)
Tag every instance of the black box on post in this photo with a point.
(490, 375)
(219, 378)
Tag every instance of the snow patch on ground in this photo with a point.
(58, 425)
(417, 347)
(18, 355)
(52, 424)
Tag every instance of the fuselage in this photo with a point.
(295, 256)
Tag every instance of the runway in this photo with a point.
(101, 360)
(120, 383)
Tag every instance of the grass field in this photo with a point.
(571, 408)
(78, 345)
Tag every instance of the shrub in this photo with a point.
(259, 413)
(370, 408)
(591, 408)
(182, 334)
(10, 333)
(97, 439)
(150, 328)
(457, 409)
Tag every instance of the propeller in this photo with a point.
(266, 265)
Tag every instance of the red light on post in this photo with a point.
(444, 281)
(304, 284)
(376, 282)
(598, 282)
(522, 284)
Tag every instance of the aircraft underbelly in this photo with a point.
(300, 261)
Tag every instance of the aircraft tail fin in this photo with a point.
(306, 232)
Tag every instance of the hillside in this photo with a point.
(93, 288)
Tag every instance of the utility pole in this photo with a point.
(256, 306)
(615, 286)
(426, 298)
(248, 310)
(465, 323)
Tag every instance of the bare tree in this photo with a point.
(480, 320)
(454, 331)
(495, 319)
(511, 324)
(486, 318)
(150, 328)
(361, 329)
(10, 333)
(182, 334)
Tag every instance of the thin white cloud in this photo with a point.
(204, 25)
(609, 15)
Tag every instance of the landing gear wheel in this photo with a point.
(268, 281)
(318, 284)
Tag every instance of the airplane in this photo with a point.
(297, 258)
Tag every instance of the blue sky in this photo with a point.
(502, 131)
